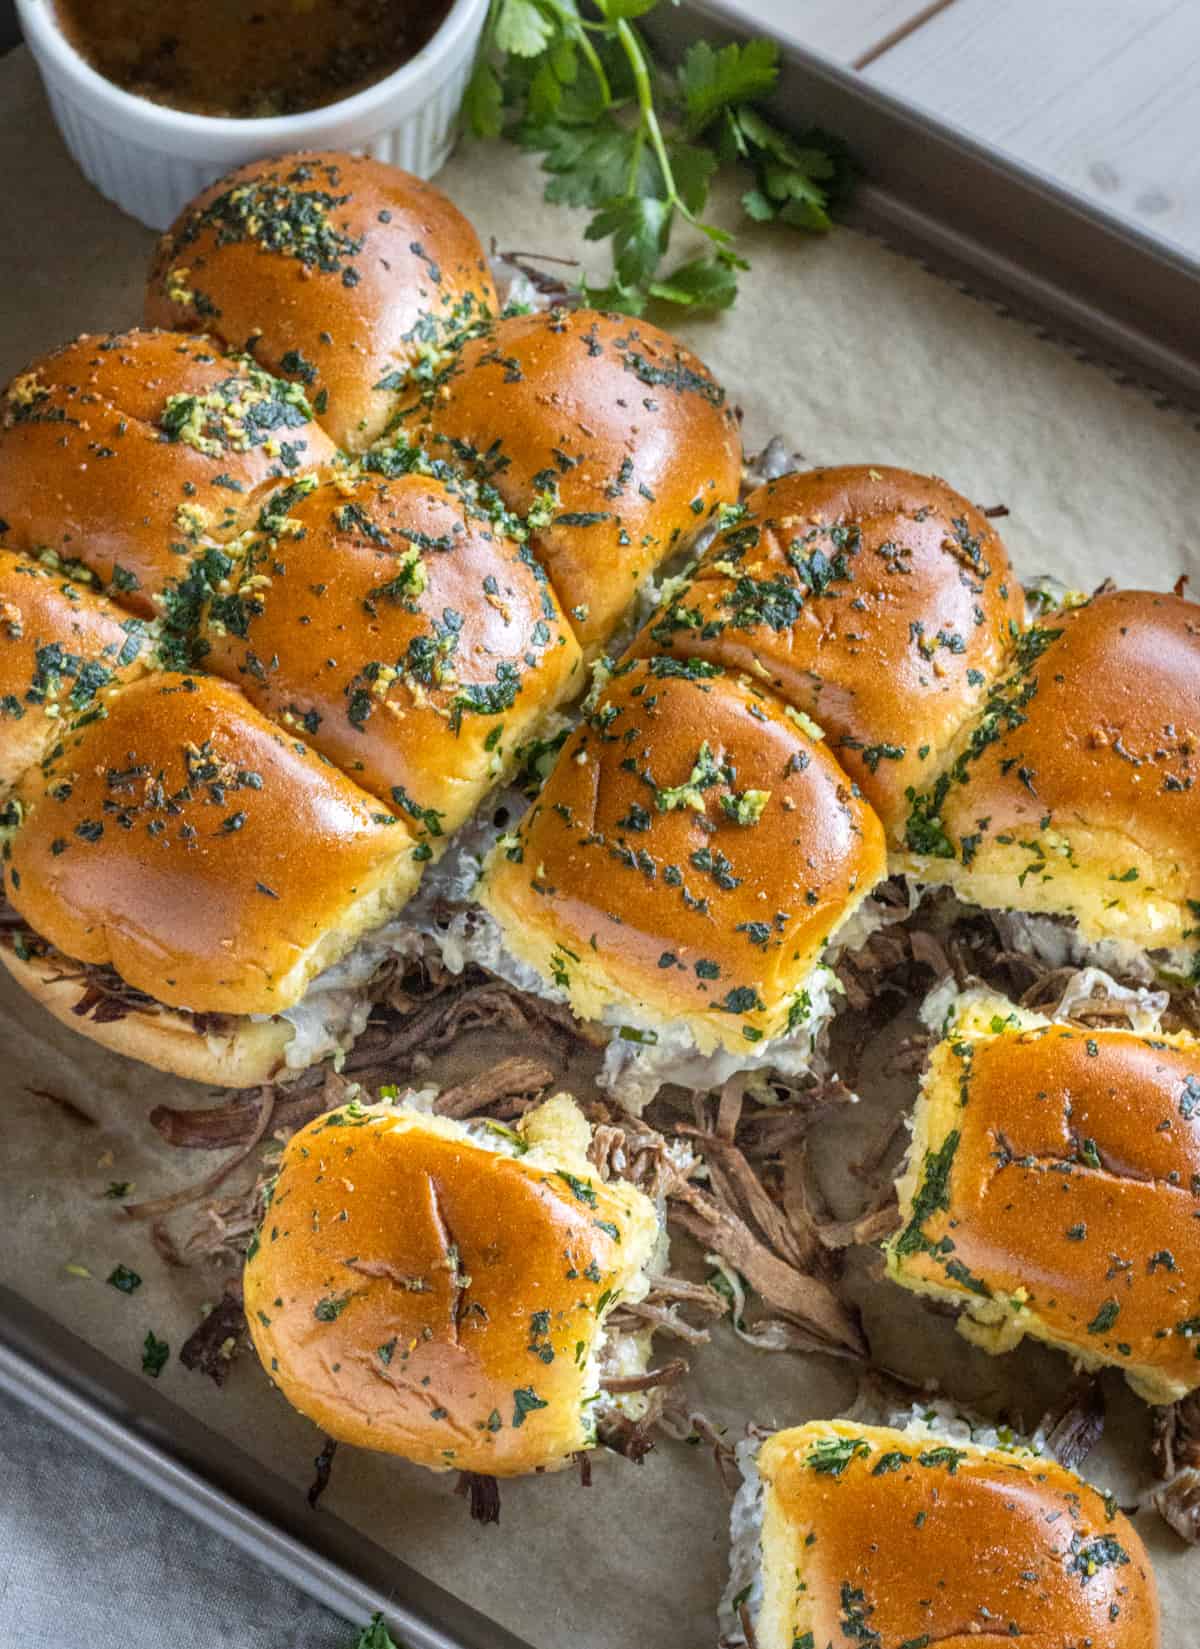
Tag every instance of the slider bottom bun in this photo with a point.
(438, 1289)
(1053, 1184)
(872, 1535)
(224, 1050)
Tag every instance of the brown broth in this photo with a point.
(250, 59)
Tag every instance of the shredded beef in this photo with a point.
(323, 1465)
(482, 1494)
(214, 1343)
(1076, 1424)
(1176, 1451)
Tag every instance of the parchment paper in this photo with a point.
(854, 354)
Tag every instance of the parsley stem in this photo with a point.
(649, 120)
(577, 27)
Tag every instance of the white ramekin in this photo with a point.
(150, 160)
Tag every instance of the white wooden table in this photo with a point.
(1102, 94)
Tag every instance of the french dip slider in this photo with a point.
(125, 458)
(391, 625)
(1073, 794)
(1052, 1188)
(438, 1289)
(902, 1538)
(688, 859)
(612, 439)
(337, 271)
(878, 602)
(158, 839)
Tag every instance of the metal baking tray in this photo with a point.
(1012, 237)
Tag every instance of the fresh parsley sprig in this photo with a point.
(639, 145)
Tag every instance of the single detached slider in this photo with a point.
(904, 1539)
(439, 1290)
(1053, 1187)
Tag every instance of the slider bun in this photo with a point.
(1040, 1152)
(60, 645)
(122, 453)
(334, 270)
(215, 863)
(226, 1051)
(1076, 790)
(915, 1542)
(650, 913)
(403, 637)
(879, 602)
(415, 1292)
(625, 428)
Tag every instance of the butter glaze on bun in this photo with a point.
(391, 625)
(61, 645)
(879, 602)
(437, 1289)
(161, 838)
(881, 1536)
(687, 859)
(1076, 791)
(126, 454)
(1040, 1152)
(337, 271)
(614, 435)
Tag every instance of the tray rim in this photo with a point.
(1008, 232)
(49, 1369)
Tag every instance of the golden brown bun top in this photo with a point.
(1099, 733)
(1046, 1153)
(619, 430)
(693, 846)
(902, 1540)
(390, 625)
(162, 836)
(879, 602)
(414, 1292)
(334, 270)
(60, 645)
(125, 452)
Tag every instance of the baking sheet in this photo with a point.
(854, 353)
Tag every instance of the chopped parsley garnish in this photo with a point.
(331, 1307)
(525, 1401)
(154, 1355)
(831, 1455)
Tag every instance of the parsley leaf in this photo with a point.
(639, 145)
